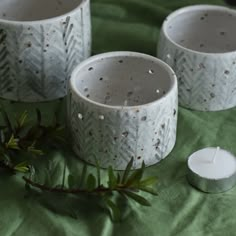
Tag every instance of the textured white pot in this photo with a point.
(41, 41)
(123, 105)
(199, 43)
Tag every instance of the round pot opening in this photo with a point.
(33, 10)
(117, 80)
(207, 29)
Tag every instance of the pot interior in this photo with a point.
(31, 10)
(210, 30)
(124, 81)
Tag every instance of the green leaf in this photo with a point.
(71, 181)
(22, 119)
(118, 178)
(35, 151)
(149, 181)
(22, 164)
(83, 176)
(139, 199)
(98, 173)
(127, 170)
(64, 175)
(13, 143)
(148, 190)
(115, 211)
(136, 176)
(112, 178)
(91, 182)
(6, 158)
(22, 167)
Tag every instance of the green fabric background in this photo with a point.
(179, 210)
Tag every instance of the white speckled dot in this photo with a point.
(80, 116)
(101, 117)
(151, 71)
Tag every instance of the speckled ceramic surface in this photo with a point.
(123, 105)
(199, 43)
(40, 44)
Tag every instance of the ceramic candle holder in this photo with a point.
(123, 105)
(199, 43)
(41, 41)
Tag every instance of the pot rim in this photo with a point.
(192, 8)
(47, 20)
(74, 76)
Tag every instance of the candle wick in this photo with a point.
(215, 154)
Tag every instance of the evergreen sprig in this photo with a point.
(128, 185)
(19, 138)
(22, 139)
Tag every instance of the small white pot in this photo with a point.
(41, 41)
(199, 43)
(123, 105)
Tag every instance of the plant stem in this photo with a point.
(99, 189)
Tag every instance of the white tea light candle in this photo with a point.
(212, 170)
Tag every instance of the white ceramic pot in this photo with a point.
(41, 41)
(123, 105)
(199, 43)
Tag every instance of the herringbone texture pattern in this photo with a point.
(73, 41)
(205, 82)
(7, 80)
(37, 59)
(146, 134)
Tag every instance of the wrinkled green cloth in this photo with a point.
(179, 210)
